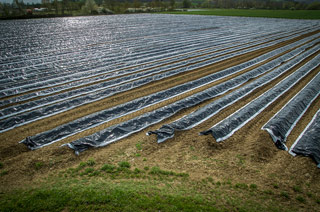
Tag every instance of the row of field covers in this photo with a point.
(58, 65)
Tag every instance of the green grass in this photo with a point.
(102, 197)
(290, 14)
(96, 194)
(123, 187)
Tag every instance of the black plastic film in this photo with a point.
(280, 125)
(139, 123)
(63, 106)
(235, 121)
(206, 112)
(308, 143)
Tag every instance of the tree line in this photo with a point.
(89, 7)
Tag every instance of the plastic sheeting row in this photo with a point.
(132, 52)
(59, 107)
(308, 142)
(281, 124)
(124, 129)
(73, 80)
(202, 114)
(63, 35)
(11, 111)
(97, 51)
(170, 44)
(225, 128)
(105, 57)
(99, 118)
(24, 86)
(103, 29)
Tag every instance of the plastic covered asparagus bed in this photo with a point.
(119, 75)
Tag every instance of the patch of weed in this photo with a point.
(139, 146)
(82, 165)
(124, 164)
(309, 194)
(136, 171)
(157, 171)
(38, 165)
(210, 179)
(241, 186)
(285, 195)
(181, 174)
(4, 172)
(108, 168)
(269, 192)
(194, 158)
(241, 159)
(253, 186)
(297, 189)
(138, 155)
(87, 171)
(228, 182)
(146, 168)
(301, 199)
(144, 159)
(91, 162)
(276, 186)
(95, 173)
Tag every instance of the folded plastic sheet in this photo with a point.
(139, 123)
(280, 125)
(202, 114)
(99, 118)
(225, 128)
(308, 143)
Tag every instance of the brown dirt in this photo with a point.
(249, 156)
